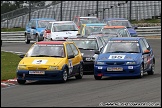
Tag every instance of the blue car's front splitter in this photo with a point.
(127, 71)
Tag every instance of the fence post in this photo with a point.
(130, 10)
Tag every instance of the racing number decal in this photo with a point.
(70, 66)
(116, 56)
(39, 62)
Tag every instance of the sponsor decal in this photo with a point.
(116, 57)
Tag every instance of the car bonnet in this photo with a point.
(118, 56)
(40, 61)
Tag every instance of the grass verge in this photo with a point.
(9, 63)
(12, 29)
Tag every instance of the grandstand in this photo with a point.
(139, 10)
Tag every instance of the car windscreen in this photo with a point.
(46, 51)
(125, 23)
(43, 23)
(64, 27)
(90, 20)
(122, 31)
(86, 44)
(122, 47)
(91, 29)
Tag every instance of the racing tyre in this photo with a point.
(26, 39)
(141, 71)
(80, 72)
(97, 77)
(151, 72)
(64, 76)
(21, 81)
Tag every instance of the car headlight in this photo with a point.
(21, 67)
(53, 67)
(130, 63)
(100, 63)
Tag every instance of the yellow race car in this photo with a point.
(50, 60)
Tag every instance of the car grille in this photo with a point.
(36, 68)
(115, 63)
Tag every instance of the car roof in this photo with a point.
(95, 24)
(126, 38)
(63, 22)
(88, 17)
(42, 19)
(85, 17)
(108, 19)
(82, 38)
(114, 26)
(51, 42)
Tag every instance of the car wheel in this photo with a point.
(151, 72)
(141, 71)
(64, 75)
(21, 81)
(97, 77)
(80, 72)
(26, 39)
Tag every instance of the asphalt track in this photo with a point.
(86, 92)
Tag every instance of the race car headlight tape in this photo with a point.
(100, 63)
(21, 67)
(53, 67)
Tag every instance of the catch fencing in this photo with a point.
(20, 37)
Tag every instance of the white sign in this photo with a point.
(39, 61)
(116, 57)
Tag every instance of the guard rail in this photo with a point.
(19, 36)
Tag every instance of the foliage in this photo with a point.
(7, 6)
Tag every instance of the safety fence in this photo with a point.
(20, 37)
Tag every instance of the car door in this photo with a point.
(71, 61)
(76, 61)
(146, 57)
(33, 29)
(28, 27)
(81, 30)
(150, 55)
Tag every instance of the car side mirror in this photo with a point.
(21, 55)
(71, 56)
(97, 52)
(146, 52)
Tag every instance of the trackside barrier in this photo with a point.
(19, 36)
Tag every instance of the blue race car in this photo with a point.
(35, 28)
(125, 56)
(121, 22)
